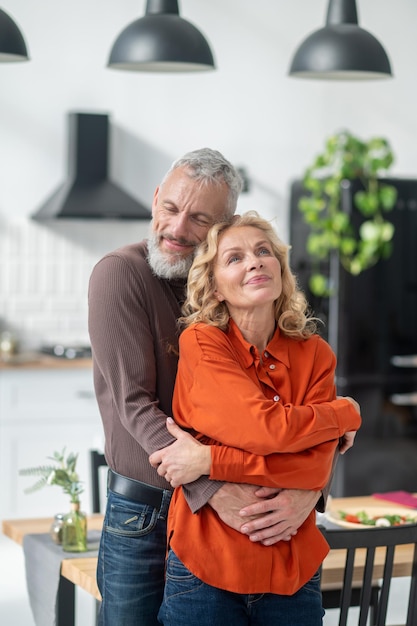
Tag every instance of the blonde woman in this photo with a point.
(255, 385)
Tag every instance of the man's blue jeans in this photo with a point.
(188, 601)
(131, 562)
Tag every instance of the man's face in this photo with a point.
(183, 211)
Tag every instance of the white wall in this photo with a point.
(249, 108)
(44, 272)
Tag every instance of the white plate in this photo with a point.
(372, 511)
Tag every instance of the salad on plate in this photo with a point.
(372, 517)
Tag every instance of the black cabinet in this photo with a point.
(371, 323)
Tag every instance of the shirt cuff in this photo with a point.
(199, 492)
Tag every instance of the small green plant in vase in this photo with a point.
(346, 157)
(63, 474)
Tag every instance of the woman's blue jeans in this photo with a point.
(188, 602)
(131, 562)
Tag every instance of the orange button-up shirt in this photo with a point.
(272, 420)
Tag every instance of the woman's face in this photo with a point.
(247, 273)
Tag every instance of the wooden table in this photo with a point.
(75, 572)
(81, 572)
(333, 565)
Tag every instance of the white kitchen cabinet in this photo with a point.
(41, 411)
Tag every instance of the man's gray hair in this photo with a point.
(210, 167)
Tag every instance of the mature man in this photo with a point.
(135, 296)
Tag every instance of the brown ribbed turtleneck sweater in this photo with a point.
(133, 332)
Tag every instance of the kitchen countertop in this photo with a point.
(38, 361)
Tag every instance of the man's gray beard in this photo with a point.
(164, 267)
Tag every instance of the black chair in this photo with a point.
(97, 460)
(370, 539)
(331, 599)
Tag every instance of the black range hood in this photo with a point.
(88, 192)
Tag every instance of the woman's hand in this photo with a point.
(183, 461)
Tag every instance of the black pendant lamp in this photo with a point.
(341, 50)
(161, 41)
(12, 45)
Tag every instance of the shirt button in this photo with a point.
(276, 398)
(266, 355)
(272, 367)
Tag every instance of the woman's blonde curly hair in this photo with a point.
(201, 305)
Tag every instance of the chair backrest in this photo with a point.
(367, 540)
(97, 460)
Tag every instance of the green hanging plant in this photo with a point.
(346, 157)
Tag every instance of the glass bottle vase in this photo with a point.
(74, 530)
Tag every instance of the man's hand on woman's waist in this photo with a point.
(264, 514)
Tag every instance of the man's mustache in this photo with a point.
(181, 240)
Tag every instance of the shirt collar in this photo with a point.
(277, 347)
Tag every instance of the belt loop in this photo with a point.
(166, 501)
